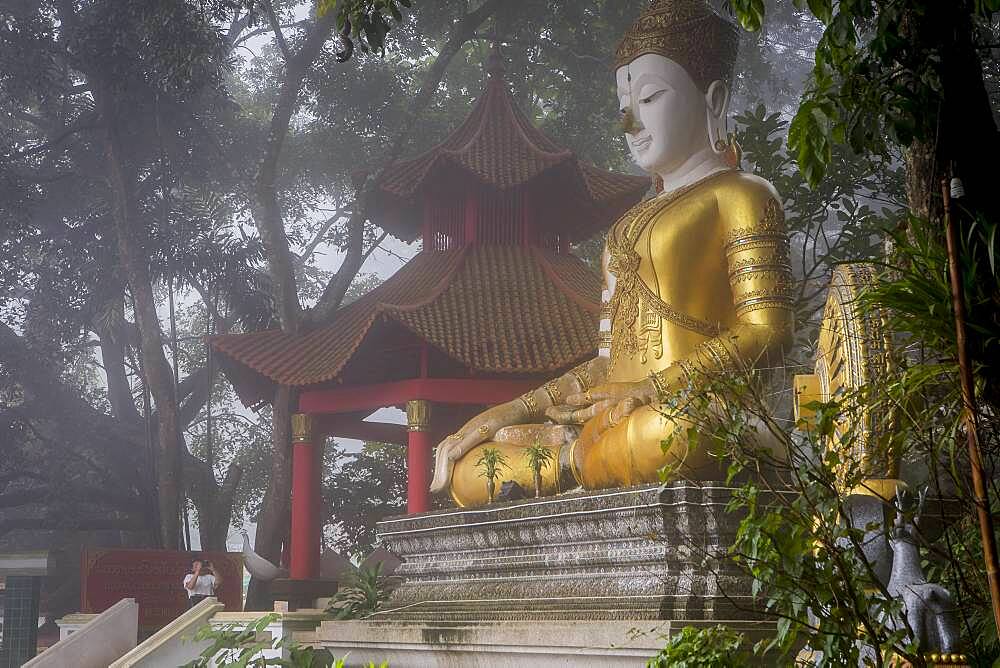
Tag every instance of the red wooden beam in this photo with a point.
(350, 399)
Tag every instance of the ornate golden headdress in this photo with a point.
(687, 32)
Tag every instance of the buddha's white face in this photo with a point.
(670, 119)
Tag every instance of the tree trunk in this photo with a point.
(158, 374)
(267, 209)
(962, 137)
(213, 502)
(275, 508)
(119, 392)
(273, 517)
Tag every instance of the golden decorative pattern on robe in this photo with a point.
(632, 296)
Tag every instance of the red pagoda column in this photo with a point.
(307, 457)
(419, 453)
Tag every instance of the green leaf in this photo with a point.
(822, 9)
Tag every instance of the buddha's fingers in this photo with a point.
(451, 450)
(625, 408)
(581, 415)
(442, 468)
(606, 392)
(560, 414)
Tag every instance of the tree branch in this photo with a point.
(267, 214)
(279, 36)
(317, 239)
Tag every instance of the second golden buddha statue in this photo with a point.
(697, 280)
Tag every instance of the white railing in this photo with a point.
(95, 643)
(174, 644)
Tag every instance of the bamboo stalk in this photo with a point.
(981, 497)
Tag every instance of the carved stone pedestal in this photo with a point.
(587, 579)
(628, 554)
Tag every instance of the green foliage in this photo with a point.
(366, 21)
(916, 290)
(716, 647)
(235, 647)
(965, 564)
(362, 594)
(874, 81)
(490, 461)
(796, 539)
(361, 489)
(536, 456)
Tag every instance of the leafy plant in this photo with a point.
(716, 647)
(490, 461)
(364, 21)
(364, 593)
(233, 646)
(537, 457)
(877, 77)
(916, 291)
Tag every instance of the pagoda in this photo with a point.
(492, 306)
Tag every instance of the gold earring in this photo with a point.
(729, 149)
(733, 155)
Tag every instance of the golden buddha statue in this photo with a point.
(697, 280)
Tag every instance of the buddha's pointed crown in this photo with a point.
(688, 32)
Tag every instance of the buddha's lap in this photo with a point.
(632, 452)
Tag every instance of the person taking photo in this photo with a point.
(201, 582)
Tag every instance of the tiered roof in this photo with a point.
(499, 147)
(492, 309)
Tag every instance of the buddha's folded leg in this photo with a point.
(633, 451)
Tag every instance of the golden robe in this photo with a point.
(700, 281)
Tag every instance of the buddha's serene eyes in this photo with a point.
(652, 97)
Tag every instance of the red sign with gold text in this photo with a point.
(155, 579)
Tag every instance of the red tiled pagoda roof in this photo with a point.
(499, 147)
(493, 309)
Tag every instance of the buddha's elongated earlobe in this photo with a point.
(723, 142)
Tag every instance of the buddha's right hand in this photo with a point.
(478, 430)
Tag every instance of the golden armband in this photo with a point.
(582, 376)
(659, 384)
(552, 391)
(760, 274)
(530, 404)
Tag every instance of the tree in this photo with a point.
(361, 490)
(100, 96)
